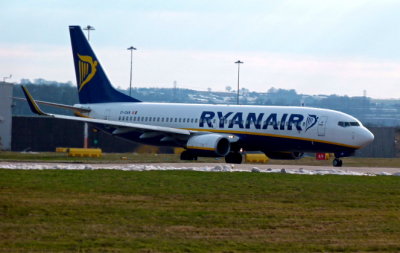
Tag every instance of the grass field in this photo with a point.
(174, 158)
(184, 211)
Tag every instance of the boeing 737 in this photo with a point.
(205, 130)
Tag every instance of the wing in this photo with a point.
(119, 127)
(67, 107)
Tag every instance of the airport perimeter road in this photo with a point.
(214, 167)
(374, 170)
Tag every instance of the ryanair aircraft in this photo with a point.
(281, 132)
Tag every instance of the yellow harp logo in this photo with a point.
(87, 69)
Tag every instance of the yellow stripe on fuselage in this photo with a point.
(273, 135)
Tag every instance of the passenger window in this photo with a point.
(195, 120)
(180, 120)
(176, 119)
(183, 120)
(162, 119)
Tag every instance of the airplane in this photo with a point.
(205, 130)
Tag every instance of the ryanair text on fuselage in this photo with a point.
(257, 120)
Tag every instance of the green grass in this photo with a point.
(184, 211)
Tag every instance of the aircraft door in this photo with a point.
(107, 114)
(322, 125)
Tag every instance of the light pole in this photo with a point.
(85, 125)
(88, 29)
(130, 81)
(238, 63)
(6, 77)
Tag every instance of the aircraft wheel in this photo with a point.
(337, 163)
(187, 156)
(234, 157)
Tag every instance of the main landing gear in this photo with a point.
(188, 156)
(234, 157)
(337, 162)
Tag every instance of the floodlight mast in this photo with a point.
(238, 63)
(88, 28)
(131, 48)
(6, 77)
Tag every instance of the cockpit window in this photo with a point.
(348, 124)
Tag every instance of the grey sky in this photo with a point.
(315, 47)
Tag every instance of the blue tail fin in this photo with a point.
(93, 84)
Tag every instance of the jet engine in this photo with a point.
(284, 155)
(209, 145)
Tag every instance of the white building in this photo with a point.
(6, 93)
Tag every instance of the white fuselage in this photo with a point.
(266, 127)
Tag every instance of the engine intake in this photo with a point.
(209, 145)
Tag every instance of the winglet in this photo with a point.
(32, 104)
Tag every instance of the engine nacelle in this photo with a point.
(209, 145)
(284, 155)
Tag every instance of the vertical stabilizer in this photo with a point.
(93, 84)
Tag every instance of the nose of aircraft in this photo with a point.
(366, 137)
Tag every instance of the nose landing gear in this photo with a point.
(337, 162)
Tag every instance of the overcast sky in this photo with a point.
(316, 47)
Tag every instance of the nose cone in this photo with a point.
(366, 137)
